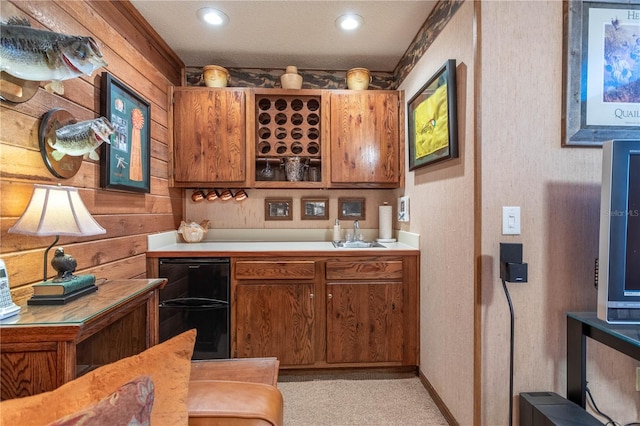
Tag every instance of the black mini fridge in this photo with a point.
(197, 296)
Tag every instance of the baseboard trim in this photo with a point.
(437, 400)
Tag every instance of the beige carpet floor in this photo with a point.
(357, 400)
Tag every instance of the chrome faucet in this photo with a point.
(356, 230)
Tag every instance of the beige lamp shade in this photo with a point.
(56, 210)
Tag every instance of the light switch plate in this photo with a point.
(510, 220)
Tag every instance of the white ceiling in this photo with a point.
(274, 34)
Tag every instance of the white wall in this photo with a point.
(442, 212)
(510, 109)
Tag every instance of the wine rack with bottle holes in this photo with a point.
(287, 126)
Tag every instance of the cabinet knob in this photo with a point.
(329, 296)
(311, 296)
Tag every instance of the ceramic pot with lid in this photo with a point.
(215, 76)
(358, 79)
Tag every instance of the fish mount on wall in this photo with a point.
(64, 142)
(30, 55)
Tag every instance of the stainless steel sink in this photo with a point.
(357, 244)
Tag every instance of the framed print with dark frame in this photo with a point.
(314, 208)
(277, 208)
(601, 82)
(125, 161)
(351, 208)
(432, 116)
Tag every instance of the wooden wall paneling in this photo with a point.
(124, 61)
(36, 107)
(26, 266)
(116, 226)
(147, 41)
(112, 40)
(128, 217)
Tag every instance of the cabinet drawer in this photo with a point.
(285, 270)
(364, 270)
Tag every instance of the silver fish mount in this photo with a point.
(65, 142)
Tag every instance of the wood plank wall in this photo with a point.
(137, 57)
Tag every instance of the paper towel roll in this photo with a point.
(384, 222)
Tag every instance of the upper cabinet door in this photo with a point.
(209, 136)
(365, 139)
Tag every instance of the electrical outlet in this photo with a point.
(638, 379)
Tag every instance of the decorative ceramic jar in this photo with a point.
(358, 79)
(215, 76)
(291, 79)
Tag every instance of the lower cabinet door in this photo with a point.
(364, 322)
(276, 320)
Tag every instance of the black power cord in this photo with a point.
(597, 410)
(506, 292)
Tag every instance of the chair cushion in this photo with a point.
(223, 402)
(168, 364)
(130, 404)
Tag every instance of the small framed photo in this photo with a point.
(277, 208)
(351, 208)
(314, 208)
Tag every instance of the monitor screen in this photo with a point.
(632, 274)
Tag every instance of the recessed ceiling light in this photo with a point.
(213, 16)
(349, 22)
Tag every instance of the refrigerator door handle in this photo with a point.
(194, 303)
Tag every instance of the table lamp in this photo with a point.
(57, 210)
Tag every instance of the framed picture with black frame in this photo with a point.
(125, 161)
(432, 119)
(601, 81)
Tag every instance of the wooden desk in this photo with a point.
(44, 347)
(256, 370)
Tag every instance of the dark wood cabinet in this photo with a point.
(364, 322)
(365, 313)
(46, 346)
(275, 309)
(351, 310)
(209, 137)
(365, 139)
(276, 319)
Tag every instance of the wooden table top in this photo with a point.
(77, 312)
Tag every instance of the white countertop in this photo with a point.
(250, 246)
(171, 242)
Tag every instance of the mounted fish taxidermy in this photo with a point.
(64, 142)
(29, 54)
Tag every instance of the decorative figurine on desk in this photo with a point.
(65, 264)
